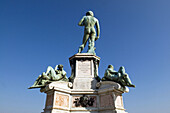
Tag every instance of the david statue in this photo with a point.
(89, 22)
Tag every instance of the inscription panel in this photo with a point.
(84, 68)
(62, 100)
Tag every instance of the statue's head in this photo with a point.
(122, 69)
(89, 13)
(110, 66)
(60, 66)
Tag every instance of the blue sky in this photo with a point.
(37, 33)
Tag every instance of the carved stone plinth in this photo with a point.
(110, 97)
(83, 94)
(58, 97)
(62, 99)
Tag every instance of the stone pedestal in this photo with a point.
(84, 94)
(84, 70)
(58, 97)
(110, 97)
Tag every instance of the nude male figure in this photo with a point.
(120, 77)
(57, 74)
(89, 21)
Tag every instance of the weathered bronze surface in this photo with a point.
(57, 74)
(89, 22)
(120, 77)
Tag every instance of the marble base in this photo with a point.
(58, 97)
(61, 98)
(112, 92)
(98, 97)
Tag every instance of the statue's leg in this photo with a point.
(49, 68)
(121, 79)
(90, 43)
(122, 82)
(128, 81)
(37, 81)
(91, 48)
(112, 77)
(52, 74)
(47, 75)
(93, 36)
(85, 38)
(54, 77)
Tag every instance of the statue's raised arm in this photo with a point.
(89, 22)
